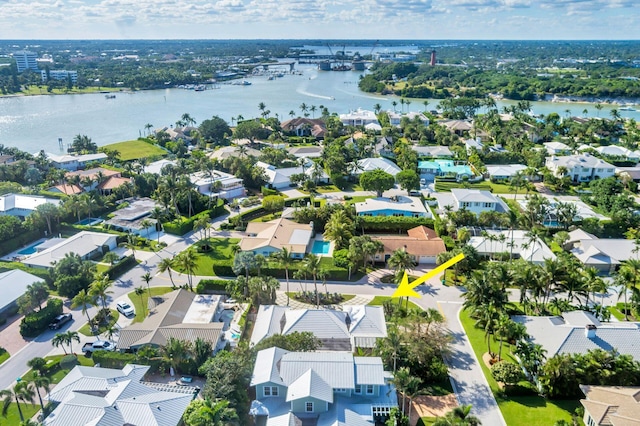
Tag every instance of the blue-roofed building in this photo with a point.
(429, 170)
(326, 388)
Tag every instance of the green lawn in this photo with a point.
(57, 374)
(135, 149)
(345, 297)
(616, 313)
(496, 188)
(5, 356)
(221, 249)
(358, 199)
(13, 417)
(517, 410)
(138, 304)
(379, 301)
(86, 329)
(42, 90)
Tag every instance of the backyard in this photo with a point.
(531, 409)
(496, 188)
(135, 149)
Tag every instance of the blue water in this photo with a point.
(89, 221)
(320, 247)
(30, 250)
(447, 166)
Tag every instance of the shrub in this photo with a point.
(393, 223)
(121, 267)
(35, 323)
(506, 372)
(268, 191)
(68, 362)
(212, 286)
(108, 359)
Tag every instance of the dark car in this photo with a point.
(59, 321)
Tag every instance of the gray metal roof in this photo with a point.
(310, 384)
(266, 366)
(335, 368)
(369, 370)
(13, 284)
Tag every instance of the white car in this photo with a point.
(125, 308)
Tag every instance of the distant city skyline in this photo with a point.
(320, 19)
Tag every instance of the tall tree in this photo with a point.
(166, 264)
(284, 259)
(21, 392)
(312, 265)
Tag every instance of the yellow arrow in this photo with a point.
(407, 290)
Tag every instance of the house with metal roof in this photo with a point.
(377, 163)
(180, 314)
(22, 205)
(321, 388)
(611, 405)
(604, 254)
(85, 244)
(433, 151)
(108, 397)
(280, 178)
(13, 284)
(397, 205)
(620, 152)
(515, 242)
(270, 237)
(75, 162)
(580, 168)
(421, 243)
(355, 326)
(218, 184)
(132, 217)
(578, 332)
(557, 148)
(477, 201)
(504, 171)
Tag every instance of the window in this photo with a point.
(340, 390)
(369, 389)
(358, 390)
(465, 204)
(398, 214)
(270, 391)
(488, 205)
(308, 407)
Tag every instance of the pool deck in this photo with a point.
(15, 256)
(319, 237)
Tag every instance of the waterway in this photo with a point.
(32, 123)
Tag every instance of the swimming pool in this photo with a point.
(30, 250)
(89, 221)
(320, 247)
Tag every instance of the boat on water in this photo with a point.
(199, 88)
(110, 96)
(243, 83)
(626, 108)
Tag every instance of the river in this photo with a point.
(32, 123)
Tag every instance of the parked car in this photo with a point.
(125, 308)
(60, 320)
(100, 345)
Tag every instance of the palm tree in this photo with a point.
(459, 416)
(41, 382)
(395, 104)
(21, 392)
(339, 229)
(216, 413)
(146, 224)
(165, 265)
(313, 108)
(412, 389)
(140, 292)
(400, 261)
(400, 380)
(84, 300)
(100, 289)
(146, 278)
(311, 264)
(389, 347)
(285, 260)
(60, 340)
(176, 351)
(187, 261)
(70, 337)
(426, 104)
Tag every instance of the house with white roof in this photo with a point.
(580, 168)
(531, 250)
(477, 201)
(501, 172)
(75, 162)
(604, 254)
(225, 152)
(433, 151)
(218, 184)
(85, 244)
(377, 163)
(13, 284)
(395, 206)
(106, 397)
(473, 144)
(280, 178)
(578, 332)
(134, 216)
(322, 388)
(620, 152)
(396, 117)
(156, 166)
(557, 148)
(22, 205)
(355, 326)
(271, 237)
(359, 117)
(611, 405)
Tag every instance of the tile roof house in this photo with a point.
(356, 326)
(225, 152)
(303, 126)
(270, 237)
(67, 189)
(85, 244)
(500, 242)
(320, 388)
(22, 205)
(580, 168)
(579, 332)
(91, 178)
(107, 397)
(306, 151)
(182, 315)
(611, 405)
(420, 242)
(395, 206)
(458, 127)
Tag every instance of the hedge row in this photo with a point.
(225, 269)
(18, 241)
(35, 323)
(183, 225)
(212, 286)
(121, 267)
(118, 360)
(394, 223)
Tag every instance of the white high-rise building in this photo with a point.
(26, 60)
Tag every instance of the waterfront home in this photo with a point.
(557, 148)
(395, 117)
(218, 184)
(320, 388)
(580, 168)
(377, 163)
(87, 245)
(271, 237)
(185, 133)
(359, 117)
(395, 206)
(134, 217)
(611, 405)
(503, 172)
(13, 284)
(355, 326)
(280, 178)
(516, 243)
(304, 126)
(22, 205)
(156, 166)
(90, 179)
(421, 243)
(75, 162)
(578, 332)
(106, 396)
(429, 170)
(181, 315)
(477, 201)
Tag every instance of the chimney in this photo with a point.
(590, 331)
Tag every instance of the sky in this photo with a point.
(320, 19)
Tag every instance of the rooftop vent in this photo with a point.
(590, 331)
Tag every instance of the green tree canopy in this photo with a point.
(214, 130)
(377, 180)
